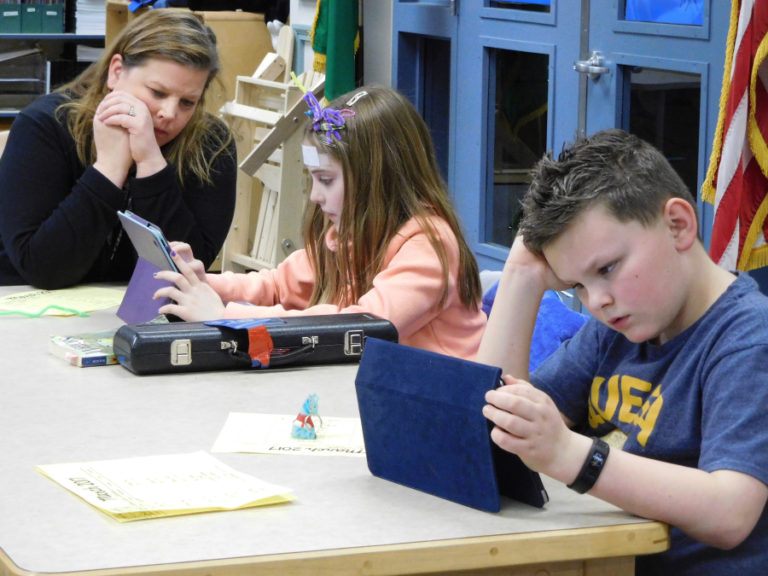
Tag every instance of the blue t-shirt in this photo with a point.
(699, 400)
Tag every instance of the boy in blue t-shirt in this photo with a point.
(658, 404)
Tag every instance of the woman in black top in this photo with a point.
(130, 132)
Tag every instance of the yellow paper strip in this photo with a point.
(80, 298)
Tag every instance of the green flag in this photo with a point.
(335, 41)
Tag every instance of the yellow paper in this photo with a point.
(79, 298)
(271, 434)
(158, 486)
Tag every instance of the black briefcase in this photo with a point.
(153, 348)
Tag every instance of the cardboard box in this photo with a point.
(242, 38)
(52, 19)
(10, 18)
(31, 18)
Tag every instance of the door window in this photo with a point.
(664, 110)
(531, 5)
(666, 11)
(518, 135)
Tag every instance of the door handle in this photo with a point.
(593, 67)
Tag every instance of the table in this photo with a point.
(343, 521)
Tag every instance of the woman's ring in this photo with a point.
(131, 111)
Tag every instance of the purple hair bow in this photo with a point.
(326, 119)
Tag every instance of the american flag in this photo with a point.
(737, 178)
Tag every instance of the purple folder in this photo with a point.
(137, 305)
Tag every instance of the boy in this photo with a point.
(672, 364)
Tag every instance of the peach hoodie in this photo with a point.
(406, 292)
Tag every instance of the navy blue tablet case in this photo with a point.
(423, 427)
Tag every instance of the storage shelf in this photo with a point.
(41, 36)
(61, 46)
(13, 80)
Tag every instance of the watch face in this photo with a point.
(592, 467)
(597, 461)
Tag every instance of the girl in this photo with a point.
(129, 132)
(381, 236)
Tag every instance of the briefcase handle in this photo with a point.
(287, 358)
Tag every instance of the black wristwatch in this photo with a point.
(592, 467)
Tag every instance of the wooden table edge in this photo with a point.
(621, 540)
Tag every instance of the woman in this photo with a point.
(130, 132)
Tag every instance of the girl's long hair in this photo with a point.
(172, 35)
(390, 176)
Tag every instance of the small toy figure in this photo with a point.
(303, 425)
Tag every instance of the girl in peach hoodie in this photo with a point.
(380, 237)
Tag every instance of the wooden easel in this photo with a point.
(267, 117)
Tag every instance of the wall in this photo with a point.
(377, 41)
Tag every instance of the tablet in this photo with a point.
(148, 240)
(423, 427)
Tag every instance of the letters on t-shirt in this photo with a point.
(627, 400)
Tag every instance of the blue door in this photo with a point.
(424, 66)
(524, 77)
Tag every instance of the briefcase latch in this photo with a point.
(181, 352)
(353, 342)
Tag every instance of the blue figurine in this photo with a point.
(303, 425)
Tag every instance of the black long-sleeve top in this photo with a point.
(58, 218)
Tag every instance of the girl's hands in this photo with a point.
(185, 251)
(193, 298)
(528, 423)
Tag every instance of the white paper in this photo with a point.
(271, 434)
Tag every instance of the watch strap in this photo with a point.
(592, 467)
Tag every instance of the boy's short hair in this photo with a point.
(618, 170)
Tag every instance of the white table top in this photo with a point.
(51, 412)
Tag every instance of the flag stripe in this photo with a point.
(736, 182)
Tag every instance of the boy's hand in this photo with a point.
(507, 338)
(522, 260)
(528, 423)
(193, 298)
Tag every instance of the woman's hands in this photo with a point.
(193, 298)
(124, 134)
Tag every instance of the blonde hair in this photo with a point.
(165, 34)
(390, 176)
